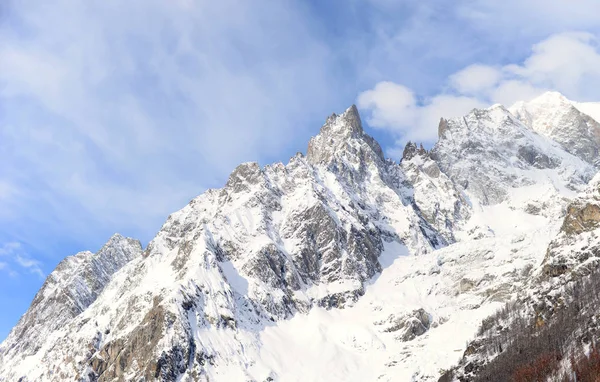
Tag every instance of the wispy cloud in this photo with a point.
(112, 122)
(396, 109)
(32, 265)
(8, 249)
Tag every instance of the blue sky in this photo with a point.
(114, 114)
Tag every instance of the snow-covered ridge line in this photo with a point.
(385, 267)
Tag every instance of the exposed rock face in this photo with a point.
(435, 196)
(411, 149)
(72, 287)
(114, 360)
(442, 127)
(554, 116)
(577, 245)
(344, 135)
(581, 218)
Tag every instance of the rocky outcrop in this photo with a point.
(577, 245)
(442, 127)
(408, 326)
(411, 150)
(114, 360)
(581, 218)
(342, 137)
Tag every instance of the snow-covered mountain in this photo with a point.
(74, 285)
(554, 116)
(340, 265)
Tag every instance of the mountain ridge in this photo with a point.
(327, 235)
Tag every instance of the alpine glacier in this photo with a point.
(340, 265)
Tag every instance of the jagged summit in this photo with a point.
(346, 125)
(481, 113)
(119, 242)
(343, 136)
(411, 150)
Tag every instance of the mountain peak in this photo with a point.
(341, 134)
(546, 101)
(115, 238)
(231, 277)
(553, 115)
(352, 118)
(348, 123)
(551, 96)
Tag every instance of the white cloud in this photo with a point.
(394, 108)
(475, 78)
(390, 104)
(10, 248)
(33, 266)
(569, 62)
(565, 62)
(510, 91)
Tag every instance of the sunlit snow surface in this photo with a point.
(347, 345)
(458, 285)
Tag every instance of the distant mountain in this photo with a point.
(340, 265)
(554, 116)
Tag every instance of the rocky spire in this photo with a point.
(411, 150)
(352, 119)
(442, 127)
(342, 134)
